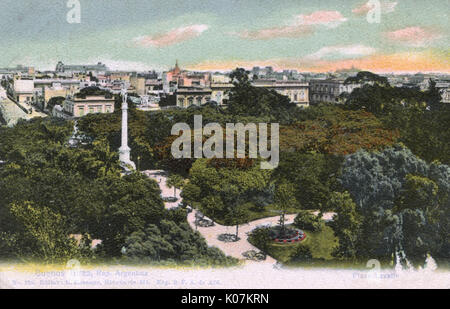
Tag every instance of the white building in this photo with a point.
(23, 90)
(329, 90)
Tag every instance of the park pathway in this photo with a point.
(235, 249)
(160, 177)
(211, 234)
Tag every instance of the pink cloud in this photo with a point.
(330, 19)
(172, 37)
(302, 25)
(386, 7)
(341, 52)
(413, 36)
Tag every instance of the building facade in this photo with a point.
(179, 78)
(93, 68)
(185, 97)
(296, 91)
(329, 90)
(79, 107)
(23, 90)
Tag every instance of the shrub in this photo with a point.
(302, 253)
(305, 220)
(261, 238)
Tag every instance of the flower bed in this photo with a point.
(298, 237)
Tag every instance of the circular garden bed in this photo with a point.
(290, 235)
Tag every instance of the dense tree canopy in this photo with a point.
(389, 198)
(403, 201)
(331, 130)
(50, 191)
(418, 116)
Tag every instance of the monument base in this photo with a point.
(128, 166)
(125, 161)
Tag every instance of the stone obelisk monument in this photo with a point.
(124, 150)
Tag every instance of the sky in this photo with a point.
(319, 35)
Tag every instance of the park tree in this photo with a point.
(232, 201)
(306, 220)
(143, 153)
(44, 234)
(245, 100)
(346, 224)
(417, 115)
(50, 191)
(175, 181)
(133, 202)
(364, 77)
(398, 197)
(209, 188)
(191, 193)
(314, 176)
(333, 130)
(433, 95)
(284, 198)
(105, 162)
(418, 192)
(172, 241)
(213, 206)
(260, 237)
(54, 101)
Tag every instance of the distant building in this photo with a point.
(185, 97)
(138, 83)
(269, 73)
(18, 69)
(57, 90)
(64, 68)
(444, 89)
(23, 90)
(178, 78)
(77, 106)
(119, 75)
(220, 79)
(219, 92)
(144, 85)
(329, 90)
(52, 87)
(445, 95)
(296, 91)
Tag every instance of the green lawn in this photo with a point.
(321, 245)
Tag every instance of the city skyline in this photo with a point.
(320, 37)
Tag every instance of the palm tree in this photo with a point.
(175, 181)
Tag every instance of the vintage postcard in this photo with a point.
(202, 144)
